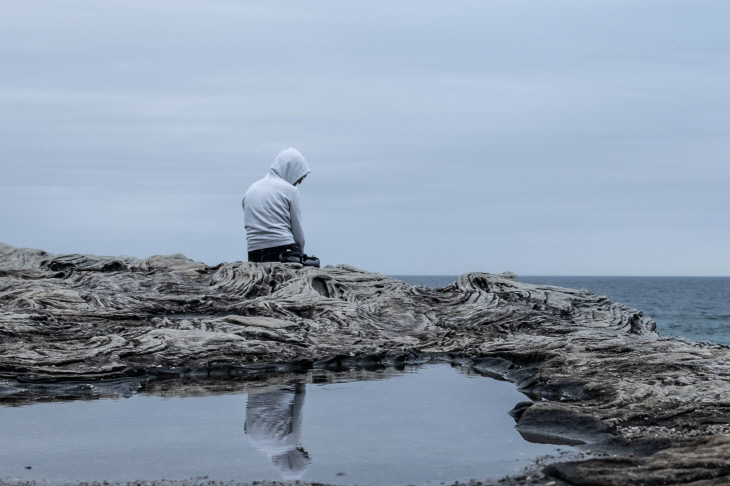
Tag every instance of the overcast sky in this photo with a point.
(544, 138)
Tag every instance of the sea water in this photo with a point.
(697, 308)
(426, 424)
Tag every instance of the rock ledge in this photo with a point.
(598, 373)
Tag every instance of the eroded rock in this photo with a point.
(599, 374)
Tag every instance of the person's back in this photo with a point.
(271, 209)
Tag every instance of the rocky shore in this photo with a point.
(82, 326)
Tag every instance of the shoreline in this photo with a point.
(599, 372)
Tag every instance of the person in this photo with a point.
(271, 209)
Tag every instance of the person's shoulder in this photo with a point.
(263, 183)
(281, 184)
(272, 184)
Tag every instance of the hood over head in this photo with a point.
(290, 165)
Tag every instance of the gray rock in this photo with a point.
(599, 374)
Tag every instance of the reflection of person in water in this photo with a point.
(274, 426)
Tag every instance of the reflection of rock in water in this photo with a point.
(274, 426)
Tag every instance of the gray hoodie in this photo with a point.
(274, 426)
(271, 206)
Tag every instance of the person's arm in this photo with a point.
(296, 220)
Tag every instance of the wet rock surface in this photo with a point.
(657, 410)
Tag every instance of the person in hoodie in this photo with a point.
(271, 209)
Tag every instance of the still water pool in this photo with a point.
(423, 425)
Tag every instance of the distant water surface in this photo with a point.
(697, 308)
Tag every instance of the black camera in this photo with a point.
(299, 257)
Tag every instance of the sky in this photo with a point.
(542, 138)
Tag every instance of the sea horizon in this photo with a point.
(555, 275)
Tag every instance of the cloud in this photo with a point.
(553, 138)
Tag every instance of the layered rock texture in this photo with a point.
(657, 410)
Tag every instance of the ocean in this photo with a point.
(696, 308)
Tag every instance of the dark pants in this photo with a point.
(270, 254)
